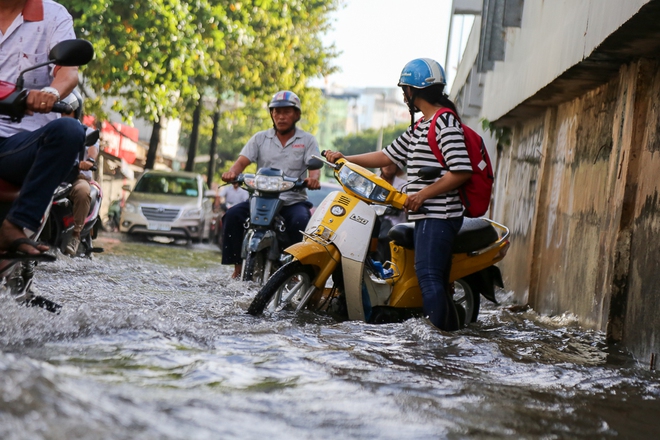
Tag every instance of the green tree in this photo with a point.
(145, 52)
(277, 46)
(157, 58)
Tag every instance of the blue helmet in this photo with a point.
(285, 98)
(421, 73)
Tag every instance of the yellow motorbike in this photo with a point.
(331, 269)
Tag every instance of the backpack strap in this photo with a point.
(433, 142)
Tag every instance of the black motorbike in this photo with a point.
(16, 273)
(264, 237)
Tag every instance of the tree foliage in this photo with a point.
(157, 57)
(146, 52)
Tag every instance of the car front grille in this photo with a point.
(160, 214)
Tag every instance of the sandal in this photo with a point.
(14, 254)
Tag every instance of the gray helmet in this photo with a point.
(285, 98)
(75, 100)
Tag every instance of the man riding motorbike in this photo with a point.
(36, 153)
(287, 148)
(80, 195)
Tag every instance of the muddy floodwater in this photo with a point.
(153, 342)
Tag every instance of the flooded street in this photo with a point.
(153, 342)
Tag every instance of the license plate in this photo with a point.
(156, 226)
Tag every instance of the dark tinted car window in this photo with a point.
(172, 185)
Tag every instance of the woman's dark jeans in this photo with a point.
(433, 243)
(38, 162)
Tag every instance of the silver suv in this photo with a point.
(169, 204)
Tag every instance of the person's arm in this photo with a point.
(375, 159)
(66, 79)
(92, 153)
(236, 169)
(312, 180)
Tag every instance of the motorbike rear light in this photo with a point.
(68, 221)
(502, 253)
(6, 89)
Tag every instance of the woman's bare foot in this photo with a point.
(237, 272)
(10, 232)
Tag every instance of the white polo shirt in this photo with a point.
(28, 41)
(266, 150)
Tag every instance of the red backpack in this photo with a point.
(475, 193)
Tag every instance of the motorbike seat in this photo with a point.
(475, 234)
(8, 192)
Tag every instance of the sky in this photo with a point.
(378, 37)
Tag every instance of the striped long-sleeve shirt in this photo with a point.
(412, 149)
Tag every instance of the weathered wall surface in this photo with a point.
(641, 328)
(515, 201)
(579, 190)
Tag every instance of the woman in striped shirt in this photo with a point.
(434, 205)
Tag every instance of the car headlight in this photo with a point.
(268, 183)
(362, 186)
(131, 208)
(192, 213)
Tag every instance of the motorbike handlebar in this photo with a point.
(61, 107)
(421, 210)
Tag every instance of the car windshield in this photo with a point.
(172, 185)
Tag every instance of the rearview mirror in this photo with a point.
(72, 53)
(92, 138)
(314, 164)
(65, 53)
(126, 187)
(428, 173)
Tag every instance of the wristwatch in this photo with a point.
(52, 91)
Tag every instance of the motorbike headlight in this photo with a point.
(192, 213)
(129, 207)
(362, 186)
(269, 183)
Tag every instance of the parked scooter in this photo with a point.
(16, 274)
(60, 223)
(331, 270)
(264, 239)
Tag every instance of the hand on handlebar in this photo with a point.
(332, 156)
(312, 183)
(85, 166)
(229, 176)
(414, 202)
(40, 102)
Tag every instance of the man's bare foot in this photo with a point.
(237, 271)
(10, 232)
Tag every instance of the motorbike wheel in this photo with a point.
(465, 297)
(290, 285)
(257, 267)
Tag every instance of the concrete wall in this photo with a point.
(579, 189)
(554, 36)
